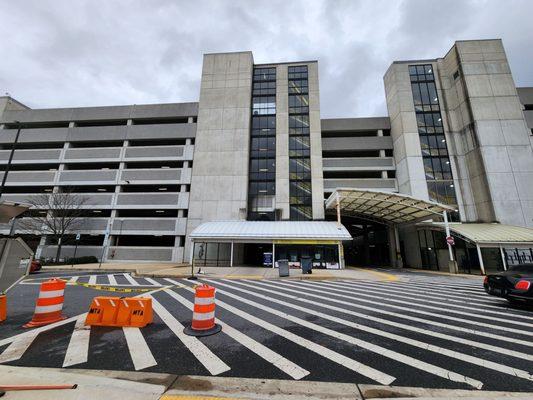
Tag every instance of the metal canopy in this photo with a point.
(9, 210)
(385, 207)
(269, 230)
(489, 233)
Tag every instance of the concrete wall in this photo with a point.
(490, 134)
(220, 171)
(404, 132)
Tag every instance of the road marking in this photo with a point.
(92, 280)
(18, 347)
(445, 299)
(480, 295)
(385, 352)
(78, 347)
(322, 351)
(396, 298)
(132, 281)
(153, 282)
(418, 311)
(426, 346)
(285, 365)
(210, 361)
(425, 321)
(394, 293)
(140, 353)
(112, 280)
(173, 281)
(383, 275)
(73, 279)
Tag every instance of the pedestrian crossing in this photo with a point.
(426, 332)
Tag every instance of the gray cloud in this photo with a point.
(80, 53)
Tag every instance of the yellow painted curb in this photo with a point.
(188, 397)
(384, 275)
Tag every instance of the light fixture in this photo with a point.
(443, 140)
(435, 99)
(447, 162)
(42, 212)
(440, 119)
(47, 190)
(429, 72)
(163, 188)
(451, 185)
(159, 211)
(101, 189)
(97, 211)
(165, 166)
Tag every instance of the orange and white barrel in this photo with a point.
(49, 306)
(203, 316)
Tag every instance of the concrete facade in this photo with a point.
(153, 173)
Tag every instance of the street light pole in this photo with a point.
(10, 160)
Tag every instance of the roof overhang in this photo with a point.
(487, 235)
(384, 207)
(260, 231)
(9, 210)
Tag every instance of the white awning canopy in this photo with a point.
(270, 231)
(384, 207)
(487, 235)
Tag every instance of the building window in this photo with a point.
(262, 175)
(437, 166)
(300, 194)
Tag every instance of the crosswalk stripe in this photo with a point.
(153, 282)
(399, 357)
(418, 311)
(18, 347)
(73, 279)
(445, 299)
(92, 280)
(174, 282)
(132, 281)
(112, 280)
(285, 365)
(78, 346)
(425, 321)
(394, 293)
(209, 360)
(322, 351)
(140, 353)
(480, 295)
(455, 339)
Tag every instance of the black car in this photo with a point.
(515, 284)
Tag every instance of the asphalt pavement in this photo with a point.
(423, 330)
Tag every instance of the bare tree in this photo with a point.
(54, 214)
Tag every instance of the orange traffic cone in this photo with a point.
(203, 316)
(49, 304)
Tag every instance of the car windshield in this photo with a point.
(522, 268)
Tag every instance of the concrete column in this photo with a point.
(231, 255)
(480, 256)
(502, 253)
(392, 245)
(273, 255)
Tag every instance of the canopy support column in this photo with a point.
(452, 265)
(231, 255)
(502, 253)
(480, 256)
(273, 255)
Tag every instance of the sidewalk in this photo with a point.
(119, 385)
(184, 271)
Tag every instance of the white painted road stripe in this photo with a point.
(92, 280)
(78, 347)
(73, 279)
(385, 352)
(322, 351)
(424, 321)
(153, 282)
(285, 365)
(423, 345)
(432, 314)
(478, 296)
(396, 294)
(173, 281)
(132, 281)
(112, 280)
(18, 347)
(445, 299)
(140, 353)
(210, 361)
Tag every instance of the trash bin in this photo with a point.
(283, 268)
(307, 265)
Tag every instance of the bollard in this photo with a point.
(203, 316)
(3, 307)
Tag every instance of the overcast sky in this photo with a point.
(56, 53)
